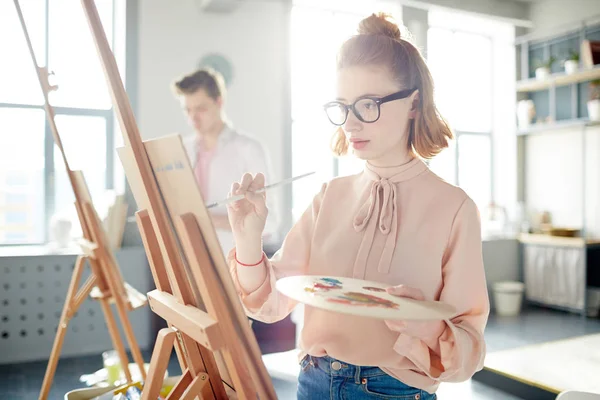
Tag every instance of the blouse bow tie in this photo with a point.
(380, 212)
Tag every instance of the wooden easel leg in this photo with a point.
(194, 388)
(188, 388)
(157, 267)
(84, 292)
(202, 360)
(115, 337)
(114, 280)
(158, 363)
(236, 355)
(191, 356)
(67, 312)
(180, 386)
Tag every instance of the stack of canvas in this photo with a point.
(114, 223)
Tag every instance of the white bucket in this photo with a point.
(508, 297)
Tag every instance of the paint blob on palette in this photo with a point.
(360, 298)
(374, 289)
(328, 285)
(324, 285)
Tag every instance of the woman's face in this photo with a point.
(385, 141)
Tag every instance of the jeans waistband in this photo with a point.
(335, 367)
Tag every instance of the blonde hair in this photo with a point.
(208, 79)
(379, 43)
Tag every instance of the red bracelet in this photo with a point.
(250, 265)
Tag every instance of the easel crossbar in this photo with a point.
(190, 320)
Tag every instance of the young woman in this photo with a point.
(395, 223)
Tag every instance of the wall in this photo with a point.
(548, 15)
(172, 38)
(508, 10)
(554, 179)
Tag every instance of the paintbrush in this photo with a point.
(271, 186)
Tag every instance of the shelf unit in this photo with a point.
(557, 126)
(565, 97)
(558, 79)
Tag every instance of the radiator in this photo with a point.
(32, 294)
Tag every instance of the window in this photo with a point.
(474, 84)
(33, 180)
(22, 188)
(464, 97)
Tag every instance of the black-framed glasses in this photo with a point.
(366, 108)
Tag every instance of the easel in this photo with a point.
(105, 283)
(195, 294)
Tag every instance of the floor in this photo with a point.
(545, 364)
(23, 381)
(536, 325)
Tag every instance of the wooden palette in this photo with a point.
(359, 297)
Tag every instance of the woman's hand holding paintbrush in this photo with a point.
(247, 218)
(247, 212)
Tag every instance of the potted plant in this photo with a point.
(543, 68)
(593, 104)
(572, 63)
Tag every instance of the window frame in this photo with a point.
(489, 134)
(108, 114)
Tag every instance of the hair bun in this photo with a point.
(379, 24)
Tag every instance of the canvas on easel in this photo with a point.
(105, 283)
(207, 326)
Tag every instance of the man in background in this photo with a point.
(218, 153)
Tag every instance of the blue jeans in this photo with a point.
(325, 378)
